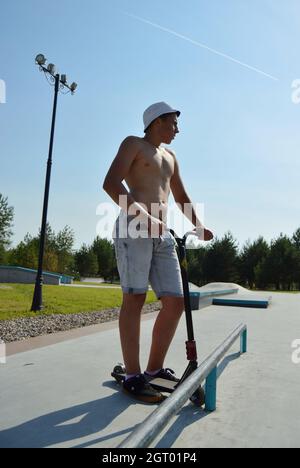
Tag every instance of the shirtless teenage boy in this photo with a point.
(151, 173)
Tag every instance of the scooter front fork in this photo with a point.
(191, 354)
(198, 398)
(191, 350)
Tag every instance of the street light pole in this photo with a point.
(37, 302)
(59, 82)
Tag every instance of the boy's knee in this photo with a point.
(135, 299)
(174, 303)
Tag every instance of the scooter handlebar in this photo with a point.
(199, 233)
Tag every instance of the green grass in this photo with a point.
(16, 299)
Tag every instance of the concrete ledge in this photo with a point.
(217, 293)
(240, 301)
(16, 274)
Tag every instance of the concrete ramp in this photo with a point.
(214, 289)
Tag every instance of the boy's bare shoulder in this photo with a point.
(130, 147)
(134, 140)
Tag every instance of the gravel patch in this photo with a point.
(29, 327)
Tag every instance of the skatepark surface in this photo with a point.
(60, 394)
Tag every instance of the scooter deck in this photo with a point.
(162, 385)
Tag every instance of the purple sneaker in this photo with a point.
(166, 374)
(139, 388)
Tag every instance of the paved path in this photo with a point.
(61, 395)
(90, 286)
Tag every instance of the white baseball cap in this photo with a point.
(155, 111)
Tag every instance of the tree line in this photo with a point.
(257, 265)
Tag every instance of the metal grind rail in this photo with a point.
(148, 430)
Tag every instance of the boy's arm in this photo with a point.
(113, 183)
(181, 198)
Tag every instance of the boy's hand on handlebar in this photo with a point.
(208, 235)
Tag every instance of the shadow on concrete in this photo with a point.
(226, 361)
(70, 424)
(86, 419)
(189, 415)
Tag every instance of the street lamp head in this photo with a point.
(40, 59)
(73, 87)
(51, 68)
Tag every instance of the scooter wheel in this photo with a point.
(198, 398)
(119, 369)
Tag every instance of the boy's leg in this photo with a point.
(164, 331)
(166, 281)
(134, 260)
(129, 326)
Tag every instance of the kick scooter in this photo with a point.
(163, 385)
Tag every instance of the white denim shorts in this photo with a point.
(146, 260)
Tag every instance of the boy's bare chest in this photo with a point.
(152, 162)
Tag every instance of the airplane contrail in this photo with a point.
(203, 46)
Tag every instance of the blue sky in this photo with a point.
(239, 140)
